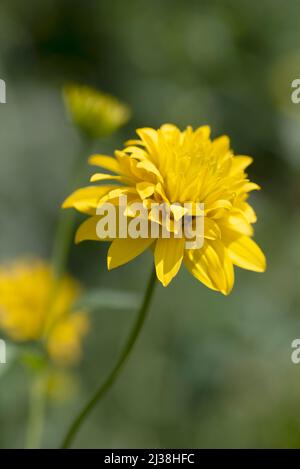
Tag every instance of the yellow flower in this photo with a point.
(174, 167)
(95, 113)
(64, 341)
(27, 312)
(60, 385)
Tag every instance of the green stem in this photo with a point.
(67, 219)
(36, 414)
(111, 378)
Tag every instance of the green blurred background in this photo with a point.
(208, 371)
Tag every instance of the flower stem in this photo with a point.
(67, 219)
(36, 414)
(111, 378)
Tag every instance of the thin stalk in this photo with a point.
(113, 375)
(36, 414)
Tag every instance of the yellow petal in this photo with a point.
(130, 168)
(106, 162)
(212, 266)
(203, 132)
(250, 186)
(160, 190)
(249, 212)
(221, 144)
(168, 257)
(136, 152)
(131, 208)
(239, 163)
(85, 199)
(177, 211)
(133, 142)
(145, 189)
(245, 253)
(219, 209)
(169, 128)
(88, 231)
(211, 229)
(104, 177)
(124, 250)
(150, 139)
(115, 195)
(198, 269)
(238, 222)
(150, 168)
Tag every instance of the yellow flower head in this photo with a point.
(96, 114)
(27, 312)
(60, 385)
(176, 168)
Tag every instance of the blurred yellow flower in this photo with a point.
(96, 114)
(173, 167)
(60, 385)
(28, 313)
(64, 341)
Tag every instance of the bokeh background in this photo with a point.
(208, 371)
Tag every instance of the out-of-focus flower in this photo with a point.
(60, 385)
(29, 313)
(173, 167)
(64, 341)
(96, 114)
